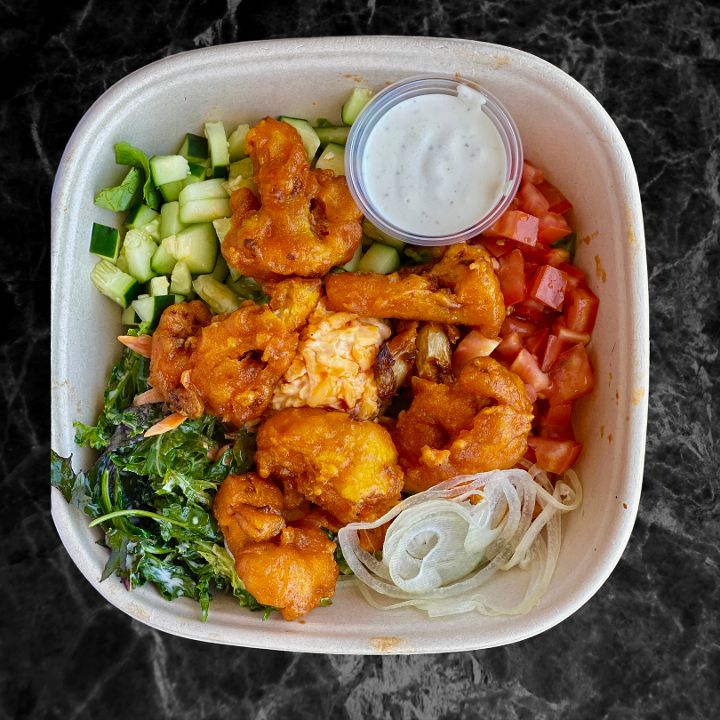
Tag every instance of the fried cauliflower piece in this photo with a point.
(294, 574)
(306, 221)
(455, 429)
(347, 467)
(248, 509)
(460, 289)
(395, 361)
(333, 367)
(173, 343)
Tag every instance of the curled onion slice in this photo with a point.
(441, 550)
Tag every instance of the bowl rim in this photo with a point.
(258, 50)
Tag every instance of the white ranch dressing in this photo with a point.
(435, 164)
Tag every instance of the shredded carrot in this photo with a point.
(153, 395)
(169, 423)
(141, 345)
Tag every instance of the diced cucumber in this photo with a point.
(310, 140)
(197, 245)
(366, 241)
(139, 216)
(219, 297)
(221, 269)
(352, 266)
(236, 142)
(162, 262)
(181, 280)
(221, 225)
(179, 299)
(234, 276)
(105, 242)
(205, 190)
(150, 309)
(378, 235)
(333, 134)
(333, 158)
(122, 261)
(246, 287)
(139, 251)
(358, 99)
(380, 258)
(240, 182)
(168, 168)
(153, 229)
(171, 191)
(194, 149)
(159, 286)
(129, 316)
(114, 283)
(242, 168)
(197, 174)
(218, 148)
(170, 223)
(205, 211)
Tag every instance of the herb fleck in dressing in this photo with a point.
(435, 164)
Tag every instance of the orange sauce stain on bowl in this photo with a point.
(602, 431)
(637, 396)
(388, 644)
(588, 238)
(599, 269)
(610, 438)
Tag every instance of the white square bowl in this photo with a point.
(564, 130)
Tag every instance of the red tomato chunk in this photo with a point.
(557, 202)
(473, 345)
(571, 377)
(553, 349)
(526, 366)
(517, 226)
(548, 286)
(555, 456)
(552, 227)
(581, 310)
(533, 201)
(531, 174)
(512, 277)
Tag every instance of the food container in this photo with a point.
(433, 84)
(565, 131)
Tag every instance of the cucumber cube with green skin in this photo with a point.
(149, 309)
(332, 158)
(114, 283)
(221, 269)
(153, 229)
(242, 168)
(380, 258)
(219, 297)
(310, 140)
(206, 190)
(170, 222)
(197, 174)
(171, 191)
(203, 211)
(358, 99)
(139, 251)
(181, 280)
(197, 245)
(159, 286)
(168, 168)
(352, 266)
(379, 236)
(122, 261)
(129, 316)
(162, 262)
(236, 142)
(139, 216)
(194, 148)
(218, 148)
(105, 242)
(333, 134)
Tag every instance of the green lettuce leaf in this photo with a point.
(423, 256)
(123, 196)
(569, 243)
(126, 154)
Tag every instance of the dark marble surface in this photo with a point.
(646, 646)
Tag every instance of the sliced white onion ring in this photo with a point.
(440, 549)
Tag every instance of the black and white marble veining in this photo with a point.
(646, 646)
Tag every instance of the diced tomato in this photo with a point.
(531, 393)
(557, 202)
(557, 432)
(473, 345)
(568, 336)
(548, 286)
(559, 415)
(552, 227)
(510, 346)
(575, 277)
(581, 310)
(530, 454)
(572, 376)
(512, 277)
(526, 366)
(517, 226)
(497, 246)
(536, 311)
(515, 324)
(556, 257)
(533, 201)
(535, 343)
(553, 348)
(530, 267)
(531, 174)
(514, 203)
(555, 456)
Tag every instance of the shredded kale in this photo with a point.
(153, 496)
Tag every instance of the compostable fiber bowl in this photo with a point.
(564, 130)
